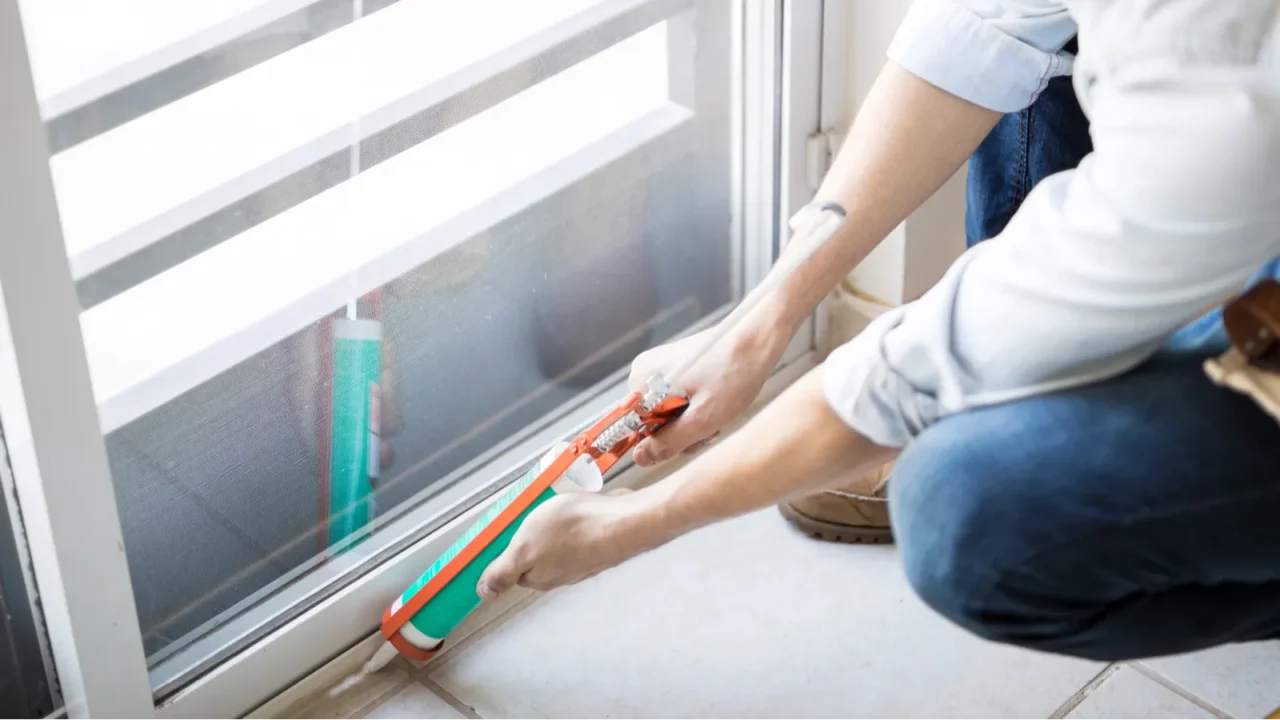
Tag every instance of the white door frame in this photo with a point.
(50, 420)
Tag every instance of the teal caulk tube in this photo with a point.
(353, 454)
(423, 633)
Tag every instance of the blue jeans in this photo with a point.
(1130, 518)
(1024, 148)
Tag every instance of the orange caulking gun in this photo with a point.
(417, 623)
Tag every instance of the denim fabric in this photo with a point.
(1025, 147)
(1125, 519)
(1129, 518)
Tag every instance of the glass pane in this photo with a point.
(326, 265)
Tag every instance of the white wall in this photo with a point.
(920, 250)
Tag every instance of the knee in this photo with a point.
(938, 522)
(961, 533)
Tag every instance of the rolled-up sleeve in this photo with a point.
(999, 54)
(1177, 207)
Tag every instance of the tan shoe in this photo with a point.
(855, 513)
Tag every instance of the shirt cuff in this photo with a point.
(868, 395)
(950, 47)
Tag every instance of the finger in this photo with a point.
(502, 574)
(644, 366)
(671, 439)
(617, 491)
(701, 445)
(640, 372)
(537, 585)
(696, 448)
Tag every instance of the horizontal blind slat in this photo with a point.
(170, 333)
(131, 186)
(82, 50)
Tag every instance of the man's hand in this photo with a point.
(795, 446)
(909, 137)
(570, 538)
(722, 385)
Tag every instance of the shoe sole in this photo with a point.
(835, 532)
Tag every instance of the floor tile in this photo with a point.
(1242, 680)
(1129, 694)
(415, 701)
(750, 619)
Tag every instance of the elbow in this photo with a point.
(875, 401)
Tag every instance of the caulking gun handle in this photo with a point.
(679, 404)
(671, 407)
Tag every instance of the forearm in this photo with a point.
(908, 138)
(794, 446)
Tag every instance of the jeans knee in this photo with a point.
(947, 517)
(972, 524)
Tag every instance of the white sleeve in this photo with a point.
(999, 54)
(1176, 208)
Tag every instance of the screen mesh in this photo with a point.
(226, 488)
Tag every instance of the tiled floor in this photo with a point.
(751, 619)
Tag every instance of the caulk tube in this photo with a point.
(426, 630)
(353, 455)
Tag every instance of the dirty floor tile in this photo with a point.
(750, 619)
(414, 701)
(1128, 693)
(1242, 680)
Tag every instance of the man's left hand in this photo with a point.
(572, 537)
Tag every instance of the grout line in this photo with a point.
(440, 692)
(1151, 674)
(1074, 701)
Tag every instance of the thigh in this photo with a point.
(1152, 480)
(1024, 148)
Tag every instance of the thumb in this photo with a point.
(671, 440)
(501, 575)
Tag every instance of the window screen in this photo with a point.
(331, 253)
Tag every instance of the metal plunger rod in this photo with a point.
(820, 223)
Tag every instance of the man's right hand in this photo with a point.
(882, 173)
(721, 385)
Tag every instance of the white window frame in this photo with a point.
(51, 422)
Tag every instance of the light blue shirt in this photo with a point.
(1175, 210)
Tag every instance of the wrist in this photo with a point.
(768, 330)
(654, 518)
